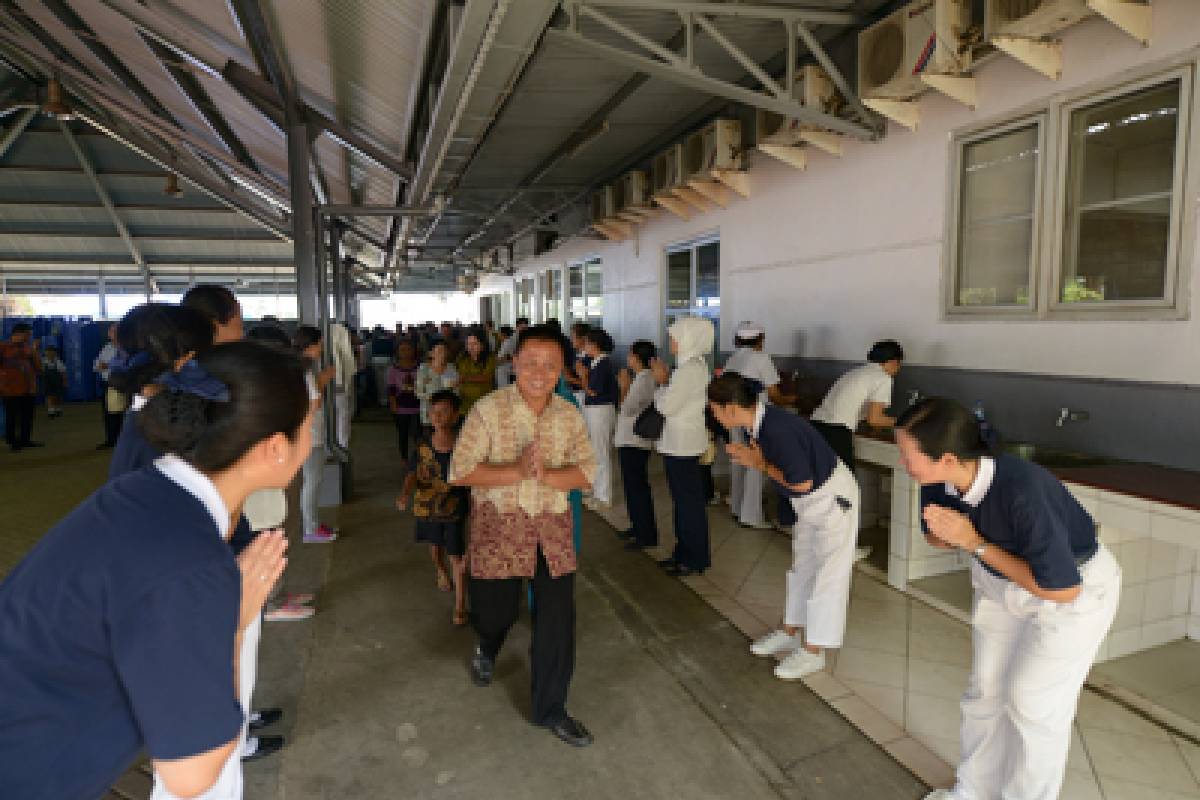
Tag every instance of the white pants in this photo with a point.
(745, 487)
(1031, 658)
(600, 422)
(310, 490)
(823, 539)
(228, 785)
(343, 404)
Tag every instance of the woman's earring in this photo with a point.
(281, 461)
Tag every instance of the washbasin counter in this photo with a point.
(1149, 516)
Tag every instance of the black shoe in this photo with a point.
(482, 668)
(668, 564)
(632, 545)
(266, 746)
(680, 571)
(625, 536)
(266, 716)
(571, 731)
(33, 444)
(105, 446)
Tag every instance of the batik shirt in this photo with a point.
(510, 523)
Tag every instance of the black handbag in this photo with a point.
(649, 424)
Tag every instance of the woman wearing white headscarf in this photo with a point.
(681, 400)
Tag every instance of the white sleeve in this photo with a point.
(883, 392)
(767, 374)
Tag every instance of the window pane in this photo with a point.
(679, 279)
(594, 287)
(708, 275)
(1120, 184)
(995, 243)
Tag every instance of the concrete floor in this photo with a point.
(379, 703)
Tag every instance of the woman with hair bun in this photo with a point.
(825, 497)
(1046, 593)
(121, 629)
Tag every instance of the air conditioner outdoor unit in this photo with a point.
(635, 190)
(667, 171)
(925, 37)
(813, 88)
(717, 146)
(1033, 19)
(533, 243)
(602, 204)
(618, 198)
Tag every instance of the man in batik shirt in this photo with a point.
(521, 450)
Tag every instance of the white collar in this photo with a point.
(759, 412)
(139, 402)
(981, 484)
(197, 484)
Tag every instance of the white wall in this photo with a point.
(849, 251)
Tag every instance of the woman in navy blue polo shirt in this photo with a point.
(601, 395)
(825, 496)
(1046, 592)
(119, 631)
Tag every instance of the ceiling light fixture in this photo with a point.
(172, 189)
(55, 105)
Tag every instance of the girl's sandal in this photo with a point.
(443, 583)
(460, 618)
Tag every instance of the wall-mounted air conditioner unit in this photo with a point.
(636, 190)
(667, 171)
(717, 146)
(602, 204)
(925, 37)
(534, 243)
(618, 199)
(1024, 28)
(1033, 19)
(814, 89)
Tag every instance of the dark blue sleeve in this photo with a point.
(1044, 541)
(242, 535)
(173, 651)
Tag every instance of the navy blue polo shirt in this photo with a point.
(1027, 512)
(116, 636)
(790, 443)
(133, 452)
(603, 381)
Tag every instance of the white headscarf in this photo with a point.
(693, 335)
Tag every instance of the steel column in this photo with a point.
(303, 228)
(15, 130)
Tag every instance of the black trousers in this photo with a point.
(112, 422)
(18, 419)
(840, 438)
(689, 505)
(639, 501)
(408, 426)
(495, 604)
(784, 513)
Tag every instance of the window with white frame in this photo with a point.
(552, 294)
(693, 283)
(586, 292)
(525, 298)
(1076, 209)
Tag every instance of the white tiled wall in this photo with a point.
(1156, 545)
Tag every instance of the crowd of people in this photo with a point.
(505, 436)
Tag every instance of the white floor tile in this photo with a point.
(1139, 760)
(889, 700)
(1080, 785)
(1120, 789)
(947, 681)
(926, 716)
(871, 666)
(868, 719)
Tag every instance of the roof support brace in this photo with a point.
(818, 16)
(15, 130)
(678, 71)
(134, 251)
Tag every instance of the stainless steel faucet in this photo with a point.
(1067, 415)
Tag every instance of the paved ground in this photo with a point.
(376, 694)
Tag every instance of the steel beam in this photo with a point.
(77, 204)
(308, 283)
(14, 131)
(380, 211)
(134, 251)
(819, 16)
(268, 54)
(831, 69)
(693, 79)
(164, 236)
(195, 92)
(108, 259)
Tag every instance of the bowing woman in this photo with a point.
(117, 639)
(1046, 593)
(825, 497)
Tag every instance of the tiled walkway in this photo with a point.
(905, 664)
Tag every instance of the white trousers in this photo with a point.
(745, 487)
(600, 422)
(310, 490)
(343, 404)
(1031, 658)
(228, 785)
(823, 539)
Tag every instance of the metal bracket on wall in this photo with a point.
(665, 64)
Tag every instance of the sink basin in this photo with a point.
(1060, 459)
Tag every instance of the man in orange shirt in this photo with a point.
(19, 368)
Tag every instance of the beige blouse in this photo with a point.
(510, 523)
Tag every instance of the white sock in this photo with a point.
(250, 747)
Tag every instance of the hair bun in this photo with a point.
(174, 421)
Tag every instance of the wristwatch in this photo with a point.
(979, 551)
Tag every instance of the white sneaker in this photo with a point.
(776, 643)
(941, 794)
(799, 664)
(861, 552)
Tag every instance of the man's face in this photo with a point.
(538, 366)
(443, 415)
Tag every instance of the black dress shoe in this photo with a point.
(266, 746)
(266, 716)
(625, 536)
(482, 668)
(680, 571)
(668, 564)
(632, 545)
(571, 731)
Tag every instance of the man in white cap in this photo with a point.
(749, 361)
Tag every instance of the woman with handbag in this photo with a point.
(633, 451)
(681, 401)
